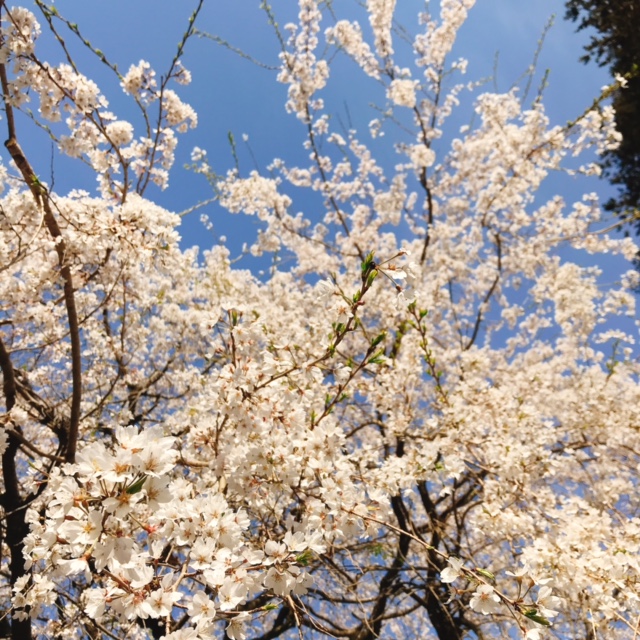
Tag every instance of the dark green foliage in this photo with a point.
(617, 45)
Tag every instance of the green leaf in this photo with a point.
(367, 263)
(136, 487)
(378, 339)
(304, 558)
(485, 574)
(533, 614)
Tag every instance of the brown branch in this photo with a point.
(11, 496)
(424, 182)
(16, 528)
(41, 198)
(488, 296)
(143, 181)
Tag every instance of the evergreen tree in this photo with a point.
(617, 45)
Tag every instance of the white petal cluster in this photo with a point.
(484, 600)
(381, 18)
(435, 44)
(140, 80)
(437, 392)
(402, 92)
(300, 68)
(348, 36)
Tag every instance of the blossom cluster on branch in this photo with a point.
(427, 425)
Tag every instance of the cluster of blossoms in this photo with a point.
(435, 44)
(94, 132)
(426, 425)
(348, 36)
(381, 18)
(403, 93)
(113, 522)
(140, 81)
(300, 69)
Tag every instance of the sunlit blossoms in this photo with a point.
(421, 420)
(403, 93)
(485, 600)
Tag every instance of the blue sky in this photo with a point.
(231, 94)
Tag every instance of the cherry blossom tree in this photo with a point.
(426, 425)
